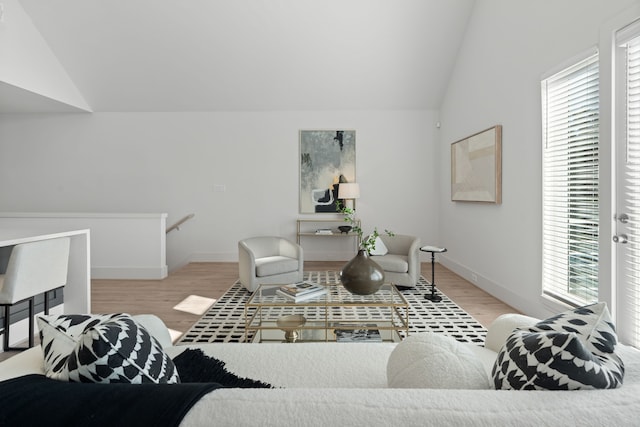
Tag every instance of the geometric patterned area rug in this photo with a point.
(224, 321)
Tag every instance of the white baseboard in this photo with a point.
(203, 257)
(329, 256)
(133, 273)
(213, 257)
(233, 257)
(530, 308)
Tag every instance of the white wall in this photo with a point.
(174, 162)
(509, 45)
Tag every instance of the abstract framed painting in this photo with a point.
(327, 158)
(476, 167)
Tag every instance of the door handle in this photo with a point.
(621, 238)
(623, 218)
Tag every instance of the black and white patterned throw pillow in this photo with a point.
(59, 335)
(571, 351)
(120, 351)
(102, 348)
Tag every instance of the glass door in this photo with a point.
(626, 231)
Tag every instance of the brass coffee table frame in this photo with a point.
(387, 311)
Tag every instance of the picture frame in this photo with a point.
(476, 167)
(327, 158)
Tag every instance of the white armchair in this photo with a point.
(401, 263)
(269, 260)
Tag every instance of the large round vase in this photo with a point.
(361, 275)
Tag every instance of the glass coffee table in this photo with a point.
(337, 316)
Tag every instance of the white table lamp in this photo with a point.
(348, 192)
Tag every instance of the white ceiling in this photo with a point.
(208, 55)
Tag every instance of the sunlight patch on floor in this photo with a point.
(175, 334)
(195, 304)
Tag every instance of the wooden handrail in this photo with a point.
(177, 225)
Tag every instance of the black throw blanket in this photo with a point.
(196, 367)
(34, 400)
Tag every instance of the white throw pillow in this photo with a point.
(156, 327)
(431, 360)
(501, 328)
(380, 248)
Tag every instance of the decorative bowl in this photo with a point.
(345, 228)
(290, 325)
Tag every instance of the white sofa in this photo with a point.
(346, 384)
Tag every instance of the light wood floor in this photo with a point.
(211, 280)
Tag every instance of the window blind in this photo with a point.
(629, 290)
(570, 102)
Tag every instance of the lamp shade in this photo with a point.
(348, 191)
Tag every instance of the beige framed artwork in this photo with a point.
(476, 167)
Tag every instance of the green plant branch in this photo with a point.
(368, 244)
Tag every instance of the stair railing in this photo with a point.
(177, 225)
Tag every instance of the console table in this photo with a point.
(386, 311)
(308, 228)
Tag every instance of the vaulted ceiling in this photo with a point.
(235, 55)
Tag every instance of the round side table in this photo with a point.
(433, 250)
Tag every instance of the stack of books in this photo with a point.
(301, 291)
(324, 231)
(364, 334)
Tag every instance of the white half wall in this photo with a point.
(509, 45)
(237, 171)
(123, 246)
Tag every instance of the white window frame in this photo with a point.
(570, 168)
